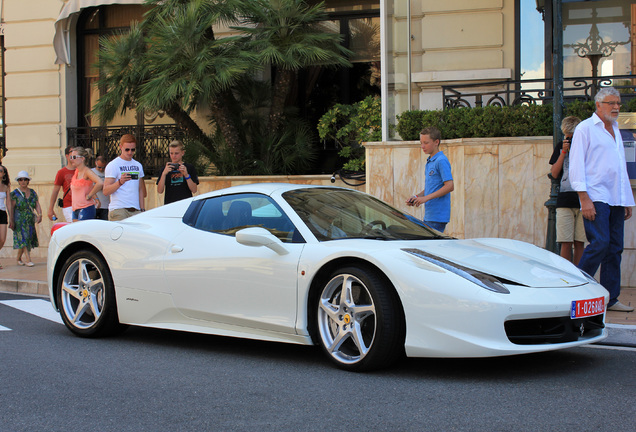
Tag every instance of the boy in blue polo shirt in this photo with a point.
(439, 182)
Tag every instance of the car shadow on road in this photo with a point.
(553, 363)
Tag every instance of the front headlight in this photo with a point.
(484, 280)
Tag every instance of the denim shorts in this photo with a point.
(84, 213)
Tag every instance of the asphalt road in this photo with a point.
(156, 380)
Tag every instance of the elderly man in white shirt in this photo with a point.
(599, 175)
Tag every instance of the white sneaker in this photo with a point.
(620, 307)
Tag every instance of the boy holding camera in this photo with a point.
(124, 182)
(179, 179)
(570, 231)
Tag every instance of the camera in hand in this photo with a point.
(175, 168)
(134, 176)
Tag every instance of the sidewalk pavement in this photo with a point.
(32, 280)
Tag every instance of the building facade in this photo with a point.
(410, 48)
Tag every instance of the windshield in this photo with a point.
(340, 213)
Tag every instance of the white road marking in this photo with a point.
(37, 307)
(4, 329)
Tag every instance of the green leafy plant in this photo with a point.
(348, 126)
(173, 61)
(493, 121)
(580, 109)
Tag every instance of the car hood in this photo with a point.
(510, 260)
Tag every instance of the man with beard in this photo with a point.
(598, 174)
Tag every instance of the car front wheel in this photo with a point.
(86, 296)
(359, 320)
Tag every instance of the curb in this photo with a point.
(21, 286)
(620, 335)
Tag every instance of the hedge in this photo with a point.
(492, 121)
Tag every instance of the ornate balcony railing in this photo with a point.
(152, 142)
(534, 91)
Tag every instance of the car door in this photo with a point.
(214, 278)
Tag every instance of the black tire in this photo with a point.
(86, 296)
(364, 329)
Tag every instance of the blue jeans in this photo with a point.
(438, 226)
(605, 234)
(84, 213)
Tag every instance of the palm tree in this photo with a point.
(287, 35)
(173, 61)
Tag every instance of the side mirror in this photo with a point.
(260, 237)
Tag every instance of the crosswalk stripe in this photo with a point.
(37, 307)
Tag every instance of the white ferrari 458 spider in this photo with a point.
(319, 265)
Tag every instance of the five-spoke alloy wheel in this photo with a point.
(86, 297)
(360, 324)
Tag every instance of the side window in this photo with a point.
(229, 214)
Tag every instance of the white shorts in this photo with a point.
(68, 213)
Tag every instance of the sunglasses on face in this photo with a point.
(76, 157)
(23, 179)
(100, 167)
(130, 149)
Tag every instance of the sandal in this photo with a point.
(30, 264)
(20, 262)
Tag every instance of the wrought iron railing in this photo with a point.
(533, 91)
(152, 142)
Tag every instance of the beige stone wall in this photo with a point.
(207, 184)
(456, 41)
(34, 85)
(501, 186)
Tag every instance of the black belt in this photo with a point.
(131, 209)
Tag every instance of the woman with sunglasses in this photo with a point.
(26, 213)
(84, 186)
(5, 204)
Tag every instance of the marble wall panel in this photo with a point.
(630, 230)
(408, 172)
(541, 184)
(481, 184)
(455, 227)
(628, 264)
(516, 192)
(379, 164)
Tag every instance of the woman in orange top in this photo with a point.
(84, 185)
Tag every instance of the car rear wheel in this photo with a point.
(359, 320)
(86, 296)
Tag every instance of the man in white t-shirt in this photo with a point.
(124, 182)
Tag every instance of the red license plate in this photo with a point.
(586, 308)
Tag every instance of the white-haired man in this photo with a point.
(598, 174)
